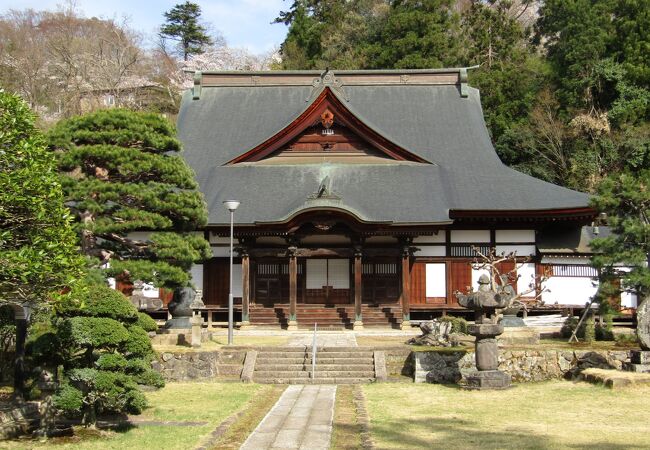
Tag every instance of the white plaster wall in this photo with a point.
(526, 274)
(339, 273)
(237, 280)
(150, 291)
(520, 250)
(434, 238)
(470, 236)
(316, 273)
(431, 250)
(219, 240)
(568, 260)
(476, 274)
(221, 252)
(436, 280)
(629, 300)
(196, 272)
(569, 290)
(514, 235)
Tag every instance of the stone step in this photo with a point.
(339, 355)
(320, 374)
(327, 367)
(319, 361)
(317, 380)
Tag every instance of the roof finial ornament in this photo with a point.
(327, 79)
(324, 191)
(324, 188)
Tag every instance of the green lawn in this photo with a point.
(209, 402)
(550, 415)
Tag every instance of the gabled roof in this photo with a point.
(430, 114)
(328, 101)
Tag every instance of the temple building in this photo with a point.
(362, 194)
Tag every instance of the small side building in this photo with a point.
(362, 194)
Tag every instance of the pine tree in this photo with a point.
(183, 26)
(417, 35)
(122, 173)
(625, 198)
(38, 254)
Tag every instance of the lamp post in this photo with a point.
(231, 205)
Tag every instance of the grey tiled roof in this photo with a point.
(431, 121)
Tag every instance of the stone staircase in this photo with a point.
(334, 365)
(328, 317)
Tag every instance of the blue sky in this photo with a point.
(244, 23)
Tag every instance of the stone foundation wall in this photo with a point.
(522, 365)
(200, 365)
(17, 420)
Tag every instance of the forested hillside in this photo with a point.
(564, 83)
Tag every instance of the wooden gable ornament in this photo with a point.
(327, 125)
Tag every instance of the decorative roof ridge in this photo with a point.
(339, 72)
(285, 78)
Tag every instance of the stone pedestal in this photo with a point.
(245, 325)
(293, 326)
(640, 361)
(519, 336)
(406, 325)
(357, 326)
(487, 358)
(197, 325)
(180, 309)
(488, 379)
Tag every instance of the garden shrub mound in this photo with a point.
(102, 344)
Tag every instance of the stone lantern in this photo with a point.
(485, 302)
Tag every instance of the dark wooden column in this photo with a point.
(406, 288)
(358, 270)
(293, 289)
(246, 289)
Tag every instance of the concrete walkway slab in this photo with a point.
(324, 340)
(301, 419)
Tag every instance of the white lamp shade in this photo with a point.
(231, 205)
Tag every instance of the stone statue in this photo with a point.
(434, 332)
(181, 307)
(485, 301)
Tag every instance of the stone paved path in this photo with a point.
(324, 340)
(301, 420)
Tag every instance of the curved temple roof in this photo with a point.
(431, 114)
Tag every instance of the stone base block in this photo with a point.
(639, 368)
(179, 323)
(246, 325)
(640, 357)
(512, 321)
(178, 337)
(406, 325)
(293, 326)
(488, 379)
(518, 336)
(358, 325)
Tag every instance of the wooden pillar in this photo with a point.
(293, 289)
(406, 290)
(245, 300)
(358, 270)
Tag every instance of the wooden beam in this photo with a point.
(358, 269)
(406, 290)
(293, 291)
(245, 269)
